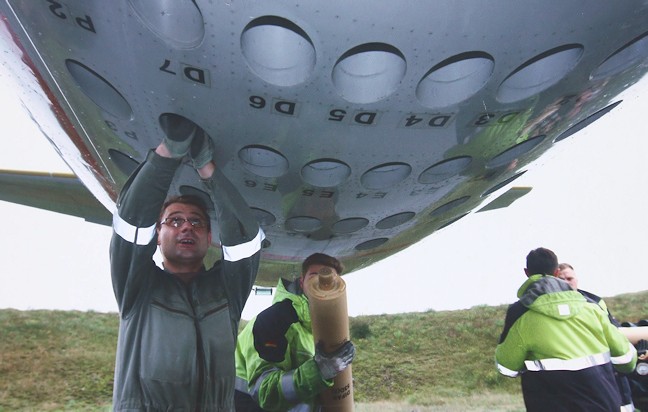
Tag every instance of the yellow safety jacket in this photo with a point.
(274, 355)
(564, 347)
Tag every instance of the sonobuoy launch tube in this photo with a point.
(327, 302)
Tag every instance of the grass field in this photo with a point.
(431, 361)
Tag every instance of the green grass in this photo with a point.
(54, 360)
(429, 358)
(432, 361)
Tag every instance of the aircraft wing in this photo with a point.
(352, 128)
(57, 192)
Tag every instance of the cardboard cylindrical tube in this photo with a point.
(330, 320)
(635, 334)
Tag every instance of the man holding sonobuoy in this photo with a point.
(297, 353)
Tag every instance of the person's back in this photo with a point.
(563, 346)
(566, 345)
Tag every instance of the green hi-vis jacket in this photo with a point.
(274, 354)
(557, 339)
(175, 349)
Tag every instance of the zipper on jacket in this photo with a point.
(200, 352)
(216, 309)
(170, 309)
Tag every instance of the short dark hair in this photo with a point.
(541, 261)
(187, 200)
(322, 259)
(564, 266)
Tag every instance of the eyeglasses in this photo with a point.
(176, 222)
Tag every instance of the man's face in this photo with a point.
(185, 246)
(313, 270)
(569, 276)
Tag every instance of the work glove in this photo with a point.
(179, 134)
(642, 364)
(201, 150)
(330, 364)
(642, 347)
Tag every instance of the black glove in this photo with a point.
(642, 365)
(642, 347)
(330, 364)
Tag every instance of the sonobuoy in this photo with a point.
(327, 302)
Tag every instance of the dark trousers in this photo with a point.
(244, 403)
(589, 390)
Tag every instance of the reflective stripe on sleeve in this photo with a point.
(257, 385)
(241, 385)
(625, 358)
(628, 408)
(133, 234)
(506, 371)
(288, 387)
(244, 250)
(577, 364)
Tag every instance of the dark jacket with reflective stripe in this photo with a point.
(176, 341)
(555, 323)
